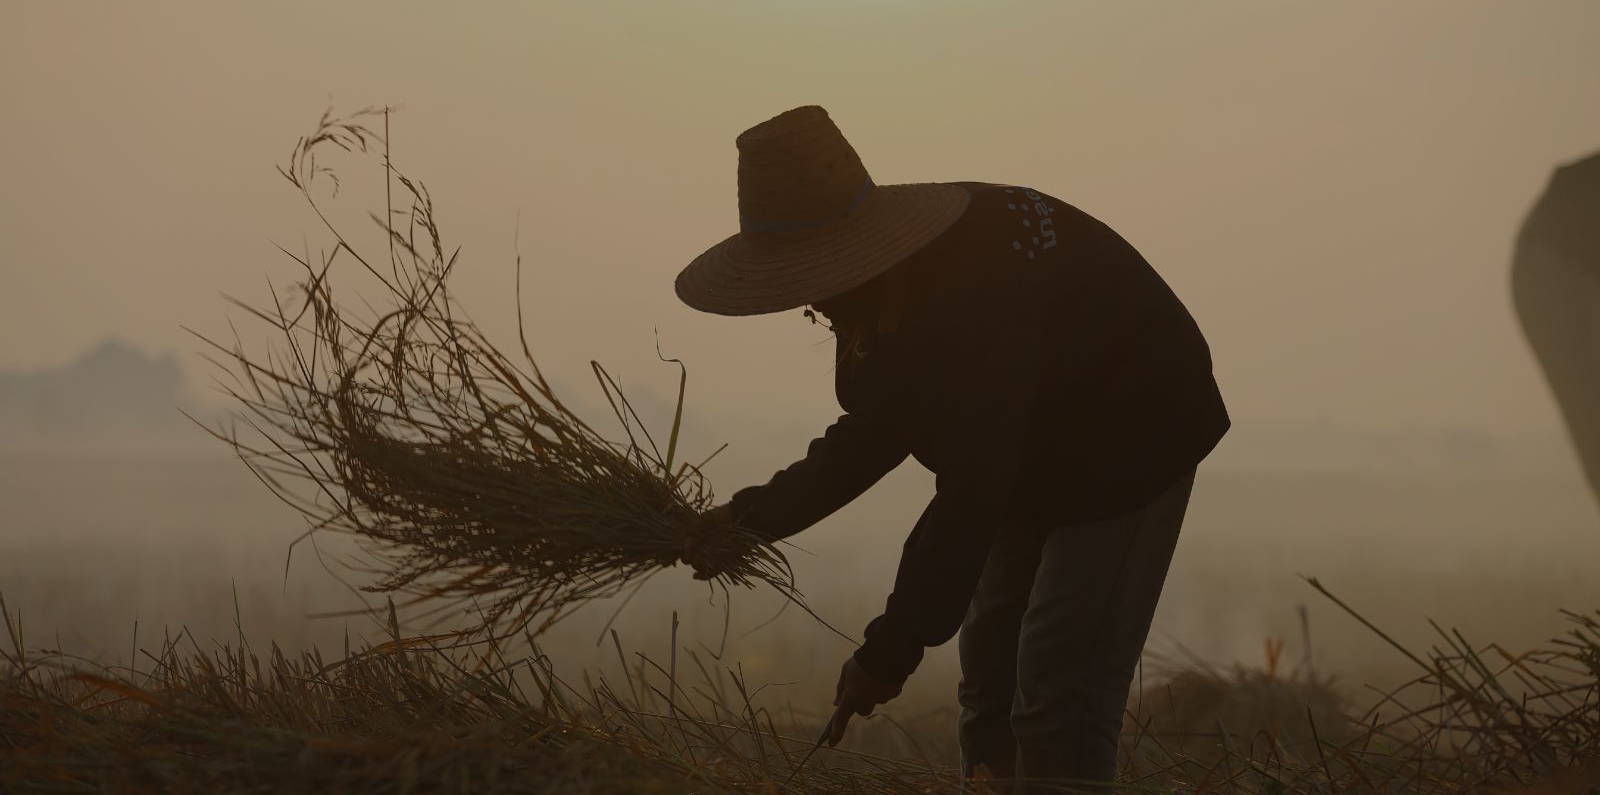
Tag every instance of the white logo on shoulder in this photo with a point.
(1036, 221)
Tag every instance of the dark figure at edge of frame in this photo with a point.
(1029, 357)
(1555, 286)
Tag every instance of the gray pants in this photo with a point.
(1052, 639)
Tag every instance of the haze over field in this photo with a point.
(1333, 188)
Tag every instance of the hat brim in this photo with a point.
(761, 274)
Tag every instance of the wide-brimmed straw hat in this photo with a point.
(812, 224)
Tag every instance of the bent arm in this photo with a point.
(844, 462)
(988, 404)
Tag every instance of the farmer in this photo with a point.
(1029, 357)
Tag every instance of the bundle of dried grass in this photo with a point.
(417, 433)
(1207, 713)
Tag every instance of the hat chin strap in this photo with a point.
(748, 225)
(888, 305)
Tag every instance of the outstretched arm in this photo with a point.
(989, 397)
(845, 461)
(988, 400)
(946, 553)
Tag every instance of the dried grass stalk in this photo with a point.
(417, 433)
(410, 716)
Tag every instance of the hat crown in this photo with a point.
(797, 172)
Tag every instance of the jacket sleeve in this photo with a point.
(845, 461)
(986, 405)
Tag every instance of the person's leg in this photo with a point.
(988, 647)
(1088, 616)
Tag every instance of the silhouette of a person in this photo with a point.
(1028, 356)
(1555, 286)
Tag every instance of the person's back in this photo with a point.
(1126, 400)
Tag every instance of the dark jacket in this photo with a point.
(1043, 371)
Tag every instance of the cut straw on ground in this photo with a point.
(409, 715)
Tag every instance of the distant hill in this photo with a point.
(114, 394)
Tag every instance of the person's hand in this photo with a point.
(714, 526)
(859, 692)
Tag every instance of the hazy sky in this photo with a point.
(1333, 188)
